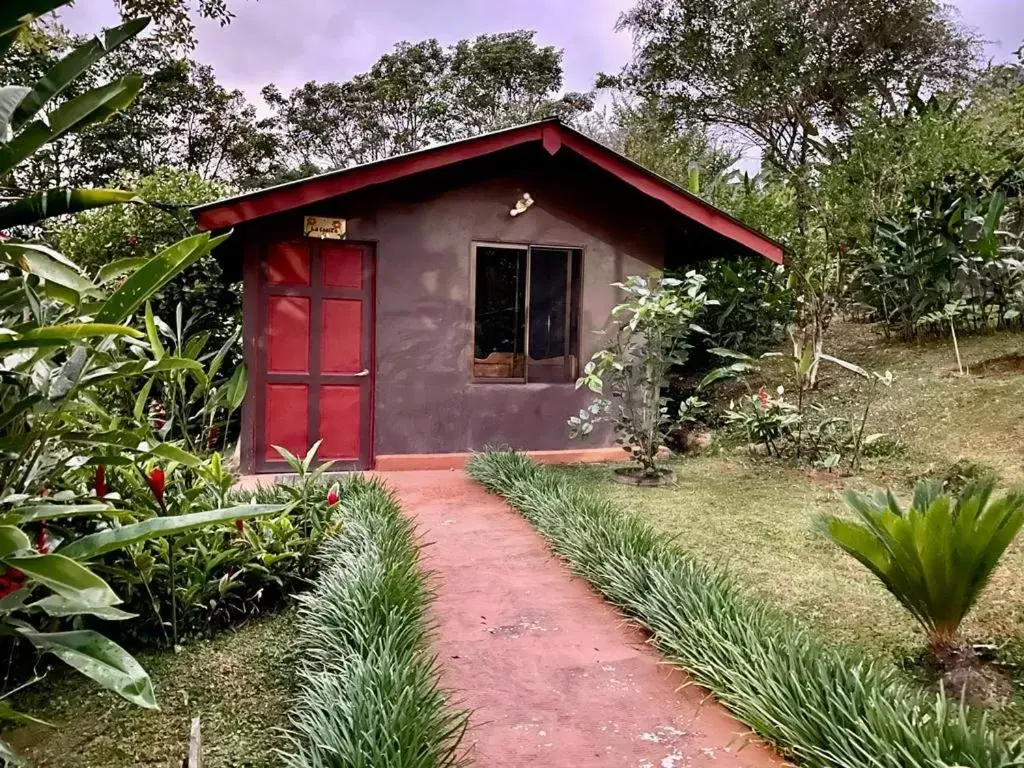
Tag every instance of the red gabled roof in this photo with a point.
(551, 134)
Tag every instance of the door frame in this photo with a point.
(253, 453)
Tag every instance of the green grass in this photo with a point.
(237, 682)
(368, 690)
(757, 516)
(821, 703)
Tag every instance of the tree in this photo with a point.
(182, 118)
(651, 336)
(419, 94)
(125, 234)
(174, 18)
(685, 155)
(507, 79)
(790, 76)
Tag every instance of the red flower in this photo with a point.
(762, 395)
(240, 526)
(332, 497)
(100, 481)
(42, 547)
(11, 581)
(156, 484)
(44, 492)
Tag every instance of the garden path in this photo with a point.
(553, 674)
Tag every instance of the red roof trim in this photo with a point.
(553, 136)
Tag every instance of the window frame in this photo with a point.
(571, 339)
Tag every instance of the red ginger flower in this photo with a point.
(762, 395)
(100, 481)
(240, 526)
(156, 482)
(42, 547)
(332, 497)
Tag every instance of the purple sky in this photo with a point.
(288, 42)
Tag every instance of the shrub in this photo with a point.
(825, 706)
(650, 338)
(936, 556)
(368, 691)
(223, 574)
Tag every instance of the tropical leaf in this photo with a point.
(31, 513)
(10, 97)
(91, 107)
(100, 659)
(66, 577)
(58, 202)
(150, 278)
(936, 556)
(16, 14)
(60, 607)
(75, 64)
(100, 543)
(12, 539)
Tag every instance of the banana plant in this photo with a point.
(934, 557)
(65, 344)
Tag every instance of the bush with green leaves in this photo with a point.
(824, 706)
(937, 555)
(651, 336)
(130, 234)
(367, 680)
(64, 336)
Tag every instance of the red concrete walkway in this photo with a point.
(552, 673)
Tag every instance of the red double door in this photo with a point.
(315, 354)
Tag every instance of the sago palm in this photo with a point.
(935, 557)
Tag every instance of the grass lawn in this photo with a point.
(237, 682)
(758, 517)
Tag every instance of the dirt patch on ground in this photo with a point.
(996, 367)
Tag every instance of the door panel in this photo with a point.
(340, 417)
(287, 419)
(288, 264)
(341, 336)
(314, 370)
(343, 267)
(287, 334)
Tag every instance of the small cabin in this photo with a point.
(412, 310)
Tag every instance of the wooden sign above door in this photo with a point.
(324, 228)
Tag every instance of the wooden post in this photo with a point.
(192, 761)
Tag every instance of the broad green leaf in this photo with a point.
(237, 386)
(150, 278)
(156, 527)
(154, 338)
(119, 267)
(58, 606)
(45, 263)
(9, 714)
(91, 107)
(171, 452)
(15, 14)
(66, 577)
(10, 97)
(33, 512)
(100, 659)
(58, 202)
(76, 63)
(13, 539)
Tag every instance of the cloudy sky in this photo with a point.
(288, 42)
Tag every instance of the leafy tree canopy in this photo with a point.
(422, 93)
(781, 71)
